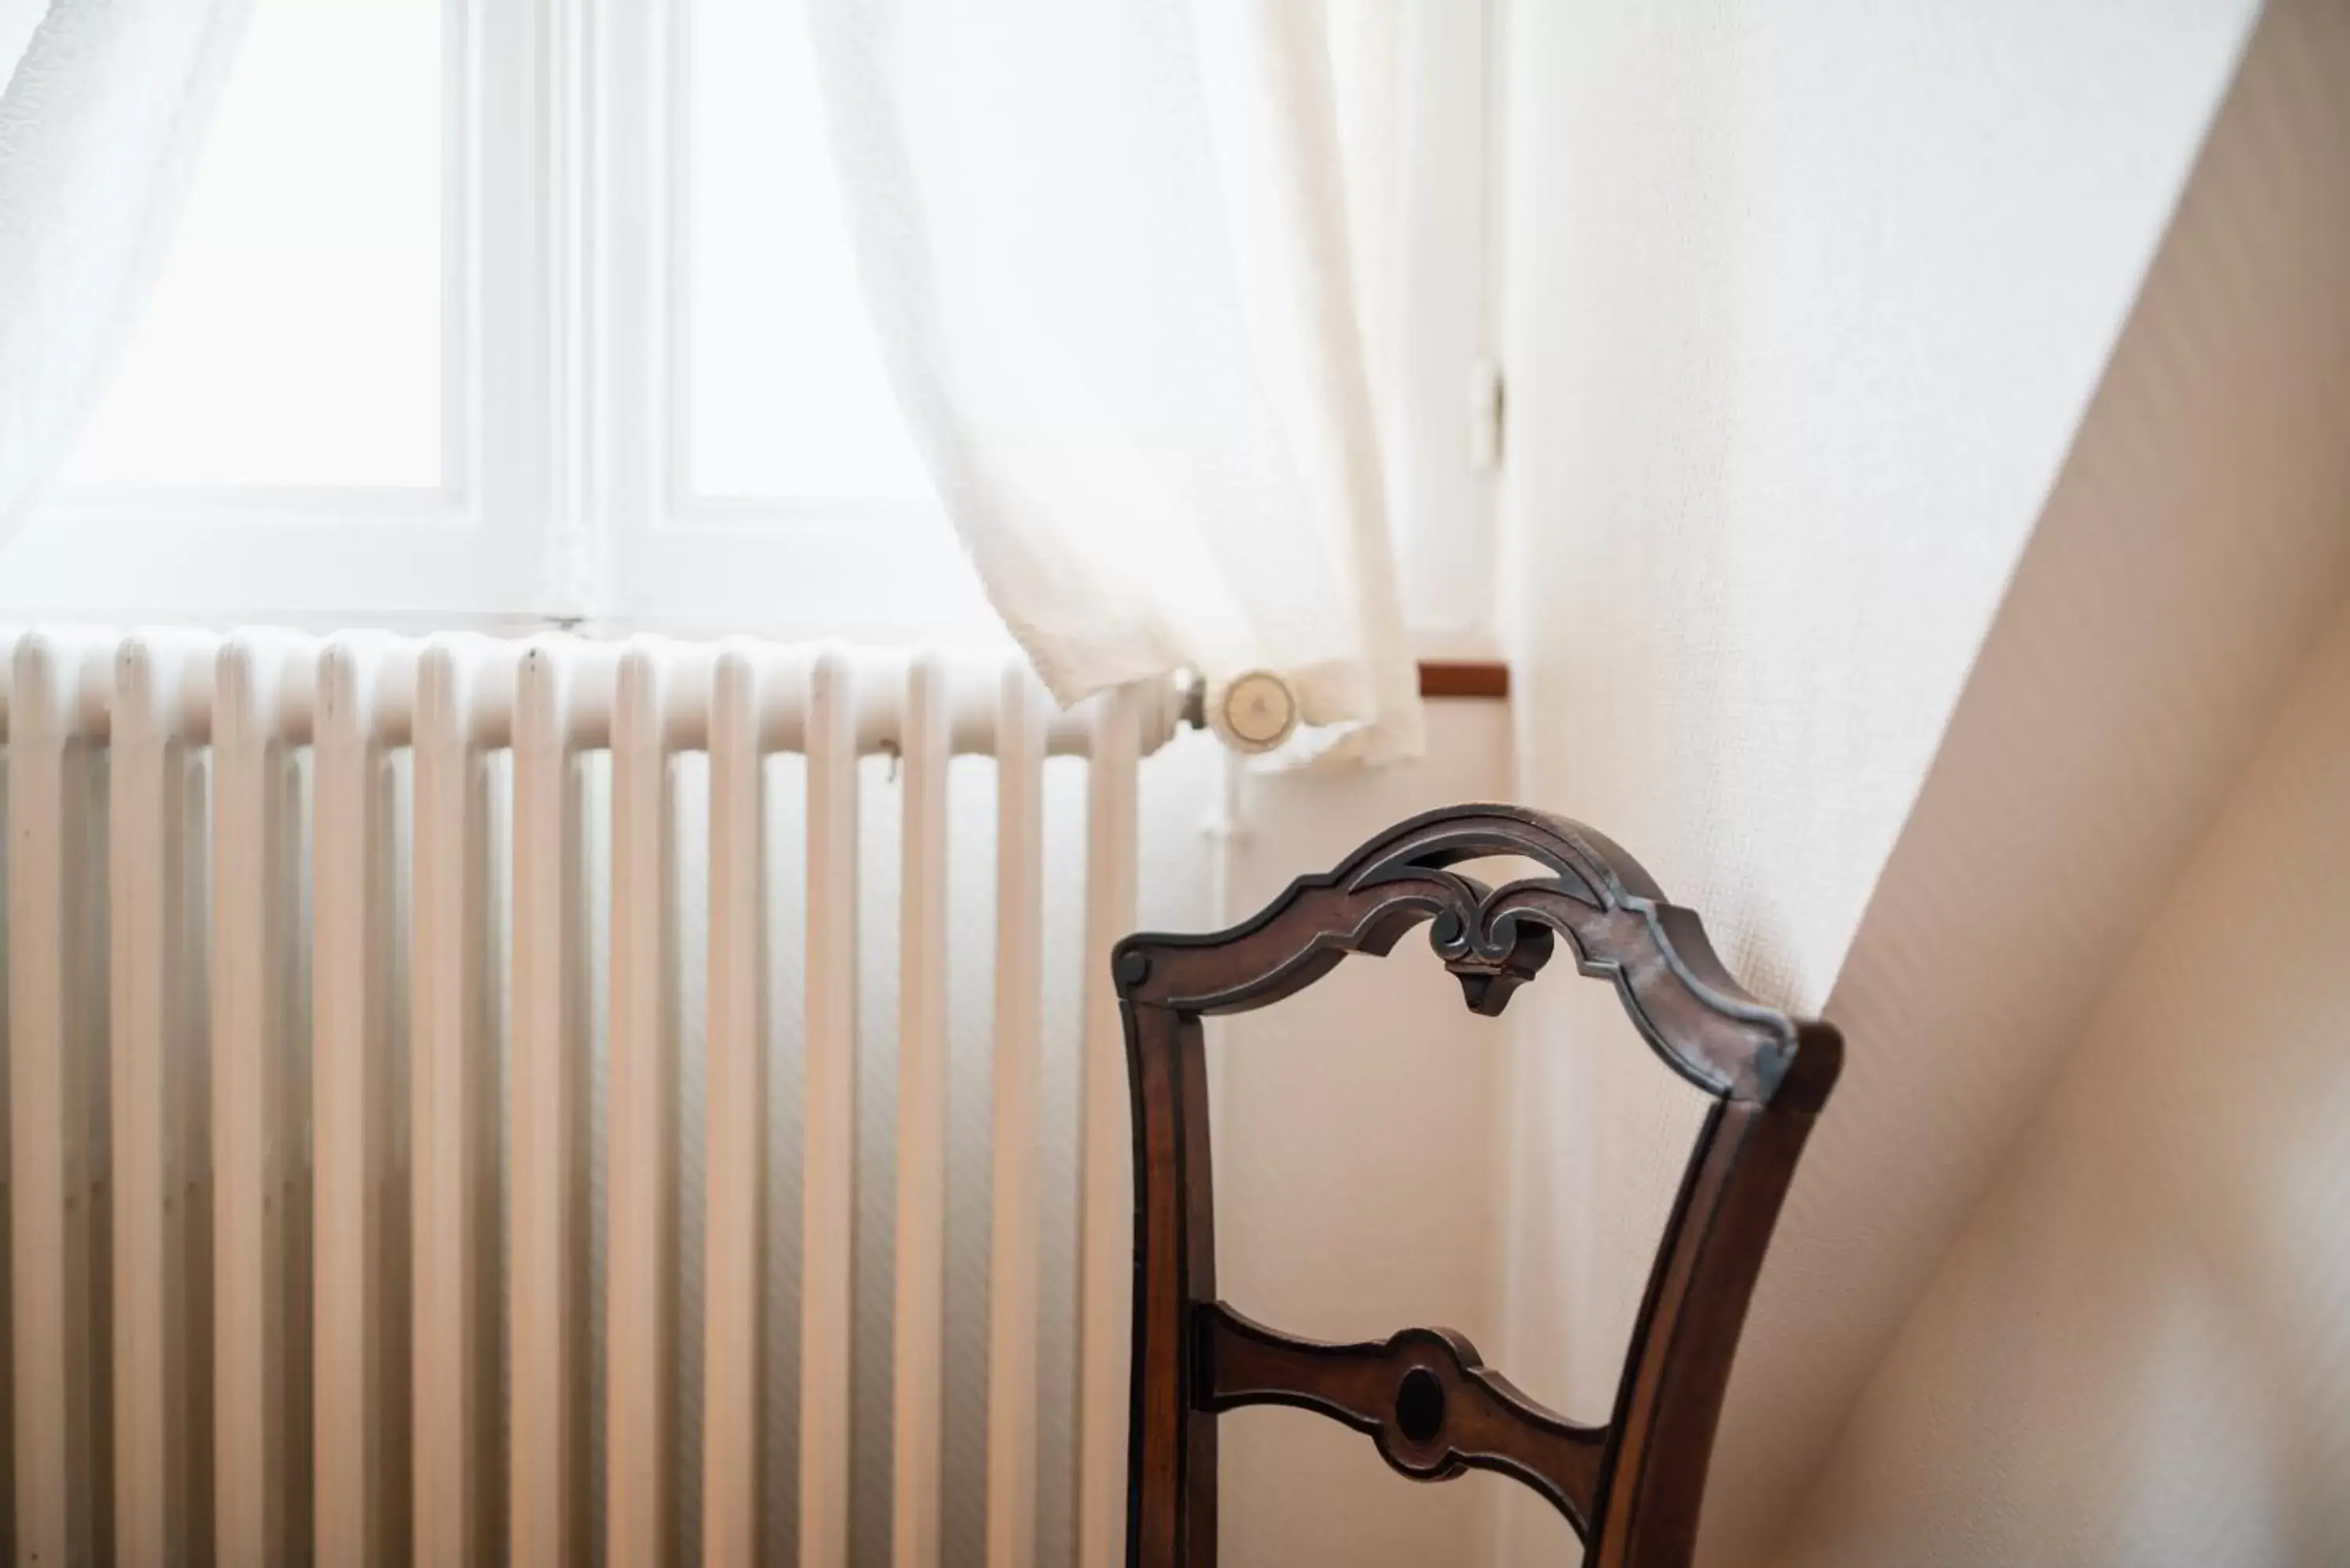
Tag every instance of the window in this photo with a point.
(491, 315)
(756, 360)
(294, 339)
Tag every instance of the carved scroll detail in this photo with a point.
(1423, 1396)
(1494, 939)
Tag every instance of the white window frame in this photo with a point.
(563, 499)
(1449, 425)
(222, 554)
(879, 570)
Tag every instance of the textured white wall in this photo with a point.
(1804, 306)
(2137, 1351)
(1846, 606)
(2189, 555)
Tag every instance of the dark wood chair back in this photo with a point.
(1630, 1489)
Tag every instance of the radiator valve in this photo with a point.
(1252, 712)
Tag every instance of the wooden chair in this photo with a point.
(1630, 1489)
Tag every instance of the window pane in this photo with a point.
(295, 335)
(785, 391)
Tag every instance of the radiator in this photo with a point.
(305, 963)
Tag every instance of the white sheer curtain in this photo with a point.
(1117, 271)
(105, 110)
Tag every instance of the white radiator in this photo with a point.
(303, 980)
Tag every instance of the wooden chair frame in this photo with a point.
(1630, 1489)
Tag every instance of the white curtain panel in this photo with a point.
(1112, 250)
(105, 110)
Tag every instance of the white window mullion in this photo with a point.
(535, 207)
(628, 236)
(463, 125)
(505, 283)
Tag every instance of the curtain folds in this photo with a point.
(105, 110)
(1122, 278)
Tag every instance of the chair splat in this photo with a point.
(1423, 1396)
